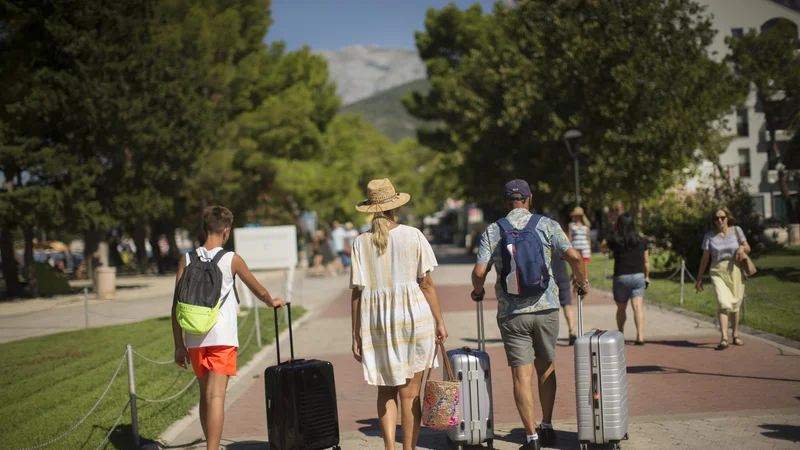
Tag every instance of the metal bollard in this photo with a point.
(86, 307)
(258, 322)
(683, 275)
(132, 391)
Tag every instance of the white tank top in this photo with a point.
(225, 331)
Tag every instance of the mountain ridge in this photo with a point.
(361, 71)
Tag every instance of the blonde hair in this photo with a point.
(380, 230)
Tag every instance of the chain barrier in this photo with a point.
(767, 297)
(673, 275)
(171, 361)
(74, 427)
(243, 323)
(249, 338)
(162, 400)
(757, 311)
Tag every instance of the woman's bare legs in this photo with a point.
(387, 414)
(412, 414)
(637, 303)
(621, 316)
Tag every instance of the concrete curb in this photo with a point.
(238, 384)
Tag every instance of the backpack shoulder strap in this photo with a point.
(533, 222)
(505, 225)
(219, 256)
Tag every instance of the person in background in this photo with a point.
(338, 235)
(726, 247)
(564, 281)
(578, 234)
(631, 272)
(350, 235)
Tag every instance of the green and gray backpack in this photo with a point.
(199, 293)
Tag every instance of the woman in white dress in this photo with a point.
(396, 314)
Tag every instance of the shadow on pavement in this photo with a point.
(646, 370)
(247, 445)
(785, 432)
(682, 344)
(564, 439)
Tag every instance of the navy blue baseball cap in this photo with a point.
(519, 187)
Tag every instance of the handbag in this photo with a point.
(747, 266)
(440, 405)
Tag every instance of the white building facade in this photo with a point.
(747, 156)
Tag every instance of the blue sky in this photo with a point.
(333, 24)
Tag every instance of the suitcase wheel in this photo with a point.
(616, 446)
(490, 443)
(584, 446)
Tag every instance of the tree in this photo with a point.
(634, 76)
(769, 61)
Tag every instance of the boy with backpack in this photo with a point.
(521, 246)
(204, 309)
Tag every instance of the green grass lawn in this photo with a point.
(772, 304)
(50, 382)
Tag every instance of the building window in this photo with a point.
(737, 33)
(758, 204)
(744, 162)
(742, 122)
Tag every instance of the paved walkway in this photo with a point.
(683, 394)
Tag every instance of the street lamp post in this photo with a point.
(574, 135)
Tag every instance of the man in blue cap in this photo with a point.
(528, 324)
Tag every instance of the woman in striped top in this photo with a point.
(578, 234)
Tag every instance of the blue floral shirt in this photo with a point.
(555, 242)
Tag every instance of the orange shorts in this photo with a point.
(218, 358)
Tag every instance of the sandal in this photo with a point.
(638, 343)
(723, 344)
(737, 341)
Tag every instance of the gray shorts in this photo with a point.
(526, 336)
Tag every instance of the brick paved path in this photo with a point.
(678, 372)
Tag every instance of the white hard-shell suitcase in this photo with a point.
(472, 368)
(601, 386)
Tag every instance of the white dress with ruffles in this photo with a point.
(398, 331)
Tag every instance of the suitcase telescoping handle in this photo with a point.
(481, 329)
(277, 341)
(580, 315)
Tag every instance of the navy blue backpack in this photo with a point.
(525, 272)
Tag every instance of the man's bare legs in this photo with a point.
(212, 407)
(387, 414)
(570, 318)
(547, 387)
(523, 395)
(412, 414)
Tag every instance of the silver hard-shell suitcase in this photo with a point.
(472, 368)
(601, 386)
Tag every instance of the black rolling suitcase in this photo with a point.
(301, 401)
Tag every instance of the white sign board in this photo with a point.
(267, 247)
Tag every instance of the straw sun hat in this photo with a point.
(381, 196)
